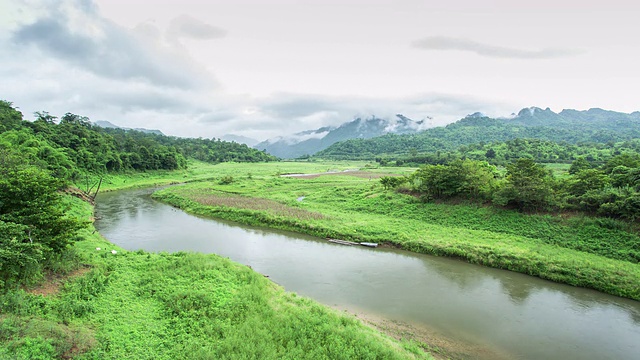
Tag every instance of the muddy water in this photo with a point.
(497, 311)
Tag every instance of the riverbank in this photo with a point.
(166, 306)
(579, 251)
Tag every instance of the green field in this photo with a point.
(139, 305)
(576, 250)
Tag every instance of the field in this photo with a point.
(138, 305)
(581, 251)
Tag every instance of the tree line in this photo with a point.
(502, 153)
(72, 145)
(40, 158)
(611, 189)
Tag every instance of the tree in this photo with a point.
(527, 186)
(33, 225)
(10, 118)
(578, 165)
(392, 182)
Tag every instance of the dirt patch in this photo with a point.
(438, 345)
(52, 282)
(360, 174)
(260, 204)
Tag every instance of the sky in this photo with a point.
(266, 68)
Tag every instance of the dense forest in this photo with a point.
(41, 157)
(502, 153)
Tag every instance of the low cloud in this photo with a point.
(185, 26)
(286, 113)
(460, 44)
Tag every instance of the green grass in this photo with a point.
(138, 305)
(594, 253)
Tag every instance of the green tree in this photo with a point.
(33, 225)
(527, 186)
(392, 182)
(578, 165)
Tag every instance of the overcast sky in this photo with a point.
(267, 68)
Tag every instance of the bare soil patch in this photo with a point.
(52, 282)
(360, 174)
(243, 202)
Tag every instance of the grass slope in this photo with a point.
(593, 253)
(138, 305)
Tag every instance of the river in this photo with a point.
(505, 312)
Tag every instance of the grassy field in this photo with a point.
(138, 305)
(593, 253)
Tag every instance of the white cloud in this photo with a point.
(185, 26)
(461, 44)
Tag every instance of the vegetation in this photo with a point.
(579, 250)
(115, 304)
(162, 306)
(34, 229)
(72, 147)
(42, 157)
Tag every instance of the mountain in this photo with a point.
(592, 119)
(311, 141)
(571, 126)
(240, 139)
(108, 125)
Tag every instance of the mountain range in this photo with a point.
(571, 126)
(311, 141)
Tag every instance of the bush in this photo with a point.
(226, 180)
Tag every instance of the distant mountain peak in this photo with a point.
(109, 125)
(476, 114)
(240, 139)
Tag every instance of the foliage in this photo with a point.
(392, 182)
(33, 225)
(527, 186)
(226, 180)
(468, 178)
(74, 147)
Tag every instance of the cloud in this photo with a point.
(185, 26)
(461, 44)
(82, 38)
(287, 113)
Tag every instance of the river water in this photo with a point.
(509, 313)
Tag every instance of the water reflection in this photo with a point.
(524, 316)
